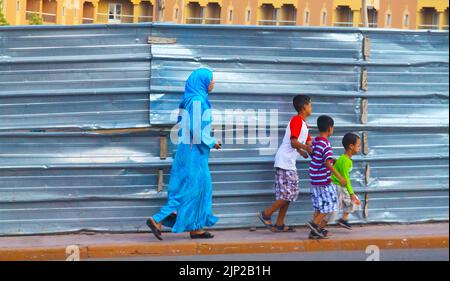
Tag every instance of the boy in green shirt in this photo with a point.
(344, 165)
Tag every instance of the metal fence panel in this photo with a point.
(108, 77)
(74, 77)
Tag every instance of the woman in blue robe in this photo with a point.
(189, 205)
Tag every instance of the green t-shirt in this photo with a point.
(344, 166)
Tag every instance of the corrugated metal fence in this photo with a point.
(85, 112)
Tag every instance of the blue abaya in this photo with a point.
(190, 186)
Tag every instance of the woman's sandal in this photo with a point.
(283, 228)
(204, 235)
(267, 221)
(154, 228)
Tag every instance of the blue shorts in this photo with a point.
(325, 199)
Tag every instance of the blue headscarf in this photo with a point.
(197, 86)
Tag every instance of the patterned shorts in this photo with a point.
(325, 199)
(345, 201)
(286, 185)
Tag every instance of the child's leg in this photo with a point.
(319, 217)
(275, 206)
(282, 214)
(324, 223)
(345, 216)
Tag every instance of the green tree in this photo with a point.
(35, 19)
(3, 20)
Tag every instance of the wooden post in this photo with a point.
(367, 174)
(364, 111)
(364, 81)
(366, 48)
(365, 140)
(163, 147)
(160, 180)
(366, 206)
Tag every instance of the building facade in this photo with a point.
(404, 14)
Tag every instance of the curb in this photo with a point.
(184, 249)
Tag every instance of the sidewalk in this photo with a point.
(243, 241)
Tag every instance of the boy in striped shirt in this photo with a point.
(324, 196)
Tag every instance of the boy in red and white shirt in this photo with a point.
(296, 142)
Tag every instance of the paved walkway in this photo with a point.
(243, 241)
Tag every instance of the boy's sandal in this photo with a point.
(283, 228)
(267, 221)
(204, 235)
(151, 224)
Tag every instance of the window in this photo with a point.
(406, 20)
(388, 20)
(344, 16)
(249, 15)
(230, 15)
(275, 15)
(269, 15)
(75, 12)
(306, 17)
(176, 13)
(18, 6)
(324, 18)
(114, 12)
(63, 11)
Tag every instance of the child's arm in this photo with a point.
(346, 175)
(304, 153)
(330, 166)
(300, 146)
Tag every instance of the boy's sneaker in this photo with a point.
(314, 236)
(324, 232)
(344, 224)
(314, 228)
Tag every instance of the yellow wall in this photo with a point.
(15, 10)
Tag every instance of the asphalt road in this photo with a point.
(385, 255)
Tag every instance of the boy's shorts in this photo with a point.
(325, 199)
(345, 201)
(286, 185)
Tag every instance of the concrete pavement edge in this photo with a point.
(220, 248)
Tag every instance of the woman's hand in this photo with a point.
(218, 145)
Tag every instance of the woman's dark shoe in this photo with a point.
(154, 228)
(204, 235)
